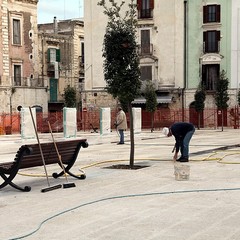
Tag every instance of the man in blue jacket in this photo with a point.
(183, 133)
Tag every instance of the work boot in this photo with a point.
(182, 159)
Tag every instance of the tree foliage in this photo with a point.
(221, 97)
(121, 61)
(70, 96)
(238, 97)
(151, 97)
(199, 96)
(151, 101)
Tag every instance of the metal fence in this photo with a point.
(90, 120)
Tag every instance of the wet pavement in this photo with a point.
(122, 204)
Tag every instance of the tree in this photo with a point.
(238, 97)
(151, 101)
(199, 96)
(70, 96)
(221, 97)
(121, 61)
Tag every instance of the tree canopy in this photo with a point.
(70, 96)
(199, 96)
(221, 97)
(151, 97)
(121, 61)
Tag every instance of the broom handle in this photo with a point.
(59, 156)
(40, 147)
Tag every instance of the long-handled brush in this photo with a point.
(49, 188)
(67, 184)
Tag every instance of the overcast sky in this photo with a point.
(62, 9)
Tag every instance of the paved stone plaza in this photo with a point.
(119, 204)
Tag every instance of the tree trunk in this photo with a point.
(131, 135)
(199, 113)
(222, 119)
(152, 121)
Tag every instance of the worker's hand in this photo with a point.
(175, 156)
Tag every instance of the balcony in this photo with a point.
(213, 47)
(145, 13)
(27, 82)
(145, 49)
(51, 70)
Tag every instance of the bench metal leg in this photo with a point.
(8, 181)
(57, 175)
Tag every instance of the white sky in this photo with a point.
(62, 9)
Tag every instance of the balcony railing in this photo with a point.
(81, 59)
(145, 13)
(211, 48)
(145, 49)
(27, 82)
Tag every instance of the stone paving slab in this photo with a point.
(119, 204)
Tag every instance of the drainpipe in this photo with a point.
(238, 49)
(42, 42)
(185, 60)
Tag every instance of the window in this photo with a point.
(146, 73)
(210, 76)
(53, 58)
(211, 13)
(145, 41)
(16, 31)
(145, 8)
(17, 75)
(53, 55)
(82, 52)
(211, 41)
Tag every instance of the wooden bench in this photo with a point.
(29, 156)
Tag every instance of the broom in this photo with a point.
(49, 188)
(67, 184)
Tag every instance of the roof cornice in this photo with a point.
(28, 1)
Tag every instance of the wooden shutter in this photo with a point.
(218, 35)
(16, 32)
(205, 14)
(218, 13)
(205, 40)
(58, 58)
(145, 41)
(48, 55)
(53, 89)
(17, 75)
(151, 4)
(145, 37)
(139, 4)
(82, 52)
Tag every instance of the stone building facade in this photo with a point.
(160, 38)
(19, 81)
(61, 59)
(212, 45)
(182, 44)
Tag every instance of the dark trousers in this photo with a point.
(185, 144)
(121, 133)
